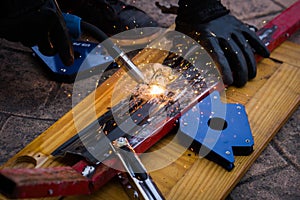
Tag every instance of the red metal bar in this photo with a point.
(103, 172)
(42, 182)
(281, 27)
(56, 181)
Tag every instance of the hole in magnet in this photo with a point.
(217, 123)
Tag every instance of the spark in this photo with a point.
(156, 90)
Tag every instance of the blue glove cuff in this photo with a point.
(73, 25)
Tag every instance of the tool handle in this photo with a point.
(132, 163)
(137, 172)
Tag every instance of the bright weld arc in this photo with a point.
(156, 90)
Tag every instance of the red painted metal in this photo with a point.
(33, 183)
(64, 181)
(281, 27)
(103, 173)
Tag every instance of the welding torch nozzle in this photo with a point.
(132, 70)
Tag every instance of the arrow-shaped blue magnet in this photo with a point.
(216, 130)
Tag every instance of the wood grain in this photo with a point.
(288, 53)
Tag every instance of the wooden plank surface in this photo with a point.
(288, 53)
(269, 99)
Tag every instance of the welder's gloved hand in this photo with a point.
(230, 42)
(36, 22)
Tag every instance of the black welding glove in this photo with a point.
(36, 22)
(230, 42)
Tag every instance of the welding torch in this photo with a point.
(132, 70)
(75, 24)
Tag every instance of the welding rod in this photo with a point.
(133, 71)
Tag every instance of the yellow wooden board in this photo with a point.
(269, 100)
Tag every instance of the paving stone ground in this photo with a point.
(30, 102)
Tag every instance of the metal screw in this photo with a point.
(50, 191)
(121, 141)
